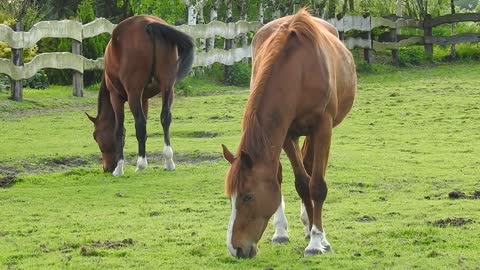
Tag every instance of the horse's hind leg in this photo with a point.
(279, 219)
(135, 102)
(166, 119)
(320, 142)
(307, 154)
(118, 108)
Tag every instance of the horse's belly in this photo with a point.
(152, 89)
(304, 125)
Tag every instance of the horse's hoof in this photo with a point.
(313, 251)
(119, 169)
(169, 165)
(280, 239)
(117, 173)
(142, 164)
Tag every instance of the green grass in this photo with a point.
(411, 138)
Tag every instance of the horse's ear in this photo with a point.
(246, 159)
(93, 119)
(227, 154)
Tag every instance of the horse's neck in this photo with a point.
(274, 120)
(105, 108)
(268, 134)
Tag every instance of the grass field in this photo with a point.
(412, 137)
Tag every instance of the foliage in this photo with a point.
(240, 74)
(412, 56)
(171, 11)
(38, 81)
(92, 47)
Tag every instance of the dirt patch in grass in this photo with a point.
(198, 134)
(455, 222)
(92, 248)
(56, 164)
(366, 219)
(182, 158)
(7, 181)
(457, 194)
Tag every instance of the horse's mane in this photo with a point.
(254, 138)
(103, 96)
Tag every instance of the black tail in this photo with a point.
(184, 42)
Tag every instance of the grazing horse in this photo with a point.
(303, 84)
(144, 57)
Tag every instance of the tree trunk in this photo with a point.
(260, 12)
(213, 17)
(331, 9)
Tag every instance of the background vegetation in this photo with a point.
(175, 12)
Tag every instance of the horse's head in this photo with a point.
(103, 134)
(254, 195)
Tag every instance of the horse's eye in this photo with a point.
(247, 197)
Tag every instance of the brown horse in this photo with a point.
(303, 84)
(144, 57)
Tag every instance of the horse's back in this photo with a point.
(129, 57)
(333, 73)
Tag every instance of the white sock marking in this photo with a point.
(304, 218)
(233, 215)
(318, 242)
(168, 154)
(280, 223)
(119, 169)
(142, 163)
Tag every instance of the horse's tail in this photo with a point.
(184, 43)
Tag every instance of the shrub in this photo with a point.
(411, 56)
(38, 81)
(240, 74)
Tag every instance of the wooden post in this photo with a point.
(453, 51)
(395, 54)
(17, 60)
(77, 76)
(427, 32)
(366, 51)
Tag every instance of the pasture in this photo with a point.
(412, 137)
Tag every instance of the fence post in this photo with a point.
(17, 60)
(366, 51)
(77, 76)
(395, 54)
(427, 32)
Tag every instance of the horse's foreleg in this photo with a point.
(118, 107)
(279, 218)
(301, 178)
(136, 104)
(318, 186)
(166, 119)
(307, 154)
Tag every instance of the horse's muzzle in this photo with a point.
(249, 252)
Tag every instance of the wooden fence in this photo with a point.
(77, 32)
(393, 42)
(17, 70)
